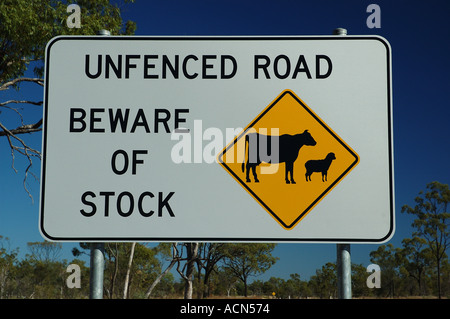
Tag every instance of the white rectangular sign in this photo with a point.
(145, 138)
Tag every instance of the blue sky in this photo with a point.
(419, 33)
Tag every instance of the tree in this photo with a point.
(143, 270)
(297, 287)
(210, 255)
(8, 261)
(127, 277)
(187, 272)
(83, 291)
(432, 220)
(129, 268)
(26, 27)
(417, 259)
(274, 287)
(359, 281)
(41, 274)
(45, 251)
(388, 258)
(294, 287)
(224, 282)
(324, 282)
(164, 249)
(245, 260)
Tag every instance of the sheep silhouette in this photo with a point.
(319, 166)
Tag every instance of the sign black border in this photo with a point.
(218, 38)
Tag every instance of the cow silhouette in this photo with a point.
(288, 150)
(319, 166)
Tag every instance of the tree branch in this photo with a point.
(6, 85)
(28, 128)
(21, 102)
(24, 149)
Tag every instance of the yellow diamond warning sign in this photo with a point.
(288, 159)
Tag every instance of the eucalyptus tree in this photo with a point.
(246, 260)
(432, 221)
(26, 27)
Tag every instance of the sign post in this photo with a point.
(343, 260)
(97, 260)
(344, 271)
(97, 267)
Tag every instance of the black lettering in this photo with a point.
(125, 203)
(165, 203)
(298, 68)
(288, 67)
(173, 69)
(185, 72)
(88, 203)
(73, 119)
(109, 63)
(141, 210)
(119, 204)
(107, 194)
(179, 120)
(128, 64)
(147, 66)
(261, 66)
(330, 66)
(125, 163)
(118, 118)
(135, 159)
(206, 66)
(162, 120)
(99, 67)
(169, 66)
(140, 120)
(223, 60)
(96, 119)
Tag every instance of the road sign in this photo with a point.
(317, 149)
(141, 135)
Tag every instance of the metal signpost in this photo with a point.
(196, 138)
(97, 260)
(343, 256)
(344, 271)
(97, 266)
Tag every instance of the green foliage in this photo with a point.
(245, 260)
(324, 282)
(417, 259)
(432, 216)
(45, 251)
(359, 282)
(8, 261)
(410, 270)
(432, 221)
(27, 25)
(292, 288)
(40, 275)
(144, 269)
